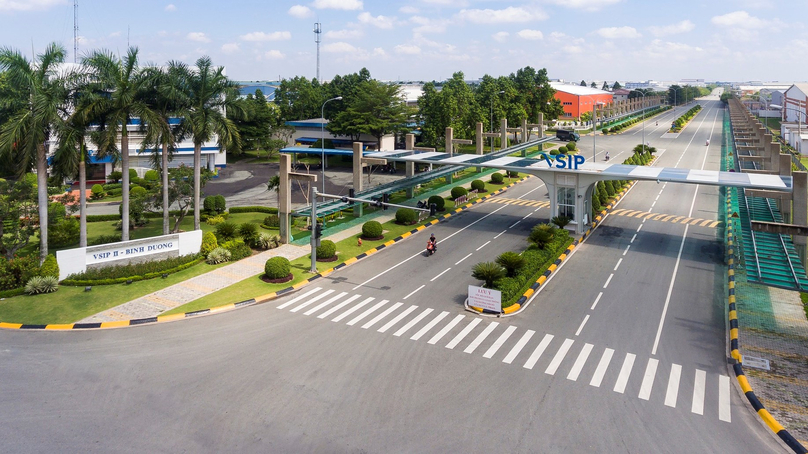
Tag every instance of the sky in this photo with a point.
(625, 40)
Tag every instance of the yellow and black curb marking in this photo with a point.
(666, 218)
(258, 299)
(764, 414)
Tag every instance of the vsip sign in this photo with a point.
(564, 161)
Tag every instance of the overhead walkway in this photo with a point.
(769, 258)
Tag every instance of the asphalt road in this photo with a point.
(624, 350)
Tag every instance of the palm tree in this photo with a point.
(274, 184)
(209, 94)
(118, 85)
(70, 158)
(23, 139)
(487, 272)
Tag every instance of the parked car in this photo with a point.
(566, 136)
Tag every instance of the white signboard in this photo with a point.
(485, 298)
(123, 251)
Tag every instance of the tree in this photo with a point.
(209, 94)
(593, 85)
(24, 136)
(512, 262)
(605, 86)
(433, 117)
(181, 191)
(616, 86)
(116, 87)
(377, 110)
(18, 215)
(488, 272)
(274, 184)
(583, 83)
(541, 234)
(535, 93)
(255, 128)
(299, 99)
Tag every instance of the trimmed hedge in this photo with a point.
(326, 250)
(497, 178)
(440, 202)
(372, 229)
(139, 271)
(459, 191)
(406, 216)
(478, 185)
(253, 209)
(277, 268)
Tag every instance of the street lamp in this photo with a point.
(595, 130)
(491, 120)
(643, 120)
(799, 123)
(322, 137)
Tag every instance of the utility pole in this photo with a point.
(317, 39)
(75, 31)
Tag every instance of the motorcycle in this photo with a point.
(431, 248)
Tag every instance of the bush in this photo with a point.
(510, 174)
(439, 202)
(541, 234)
(604, 130)
(268, 241)
(137, 191)
(104, 239)
(555, 151)
(253, 209)
(119, 273)
(609, 188)
(218, 255)
(132, 174)
(326, 250)
(214, 204)
(209, 243)
(16, 272)
(511, 261)
(226, 231)
(40, 284)
(277, 268)
(372, 229)
(151, 175)
(111, 186)
(248, 232)
(238, 249)
(214, 220)
(406, 216)
(50, 267)
(272, 221)
(571, 146)
(97, 192)
(488, 272)
(560, 221)
(459, 191)
(64, 232)
(56, 212)
(497, 178)
(115, 176)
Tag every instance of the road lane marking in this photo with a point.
(534, 357)
(339, 306)
(500, 234)
(698, 392)
(609, 279)
(429, 326)
(648, 379)
(673, 385)
(638, 228)
(439, 275)
(398, 318)
(723, 399)
(498, 343)
(526, 216)
(413, 292)
(559, 356)
(480, 337)
(462, 334)
(353, 309)
(312, 301)
(633, 238)
(373, 309)
(412, 322)
(518, 347)
(627, 248)
(582, 325)
(596, 301)
(464, 258)
(579, 362)
(325, 303)
(514, 224)
(484, 245)
(381, 316)
(293, 301)
(446, 329)
(670, 289)
(600, 371)
(618, 264)
(625, 371)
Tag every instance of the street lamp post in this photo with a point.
(643, 120)
(491, 120)
(594, 131)
(799, 123)
(322, 137)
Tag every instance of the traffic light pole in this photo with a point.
(314, 239)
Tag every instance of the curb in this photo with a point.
(764, 414)
(258, 299)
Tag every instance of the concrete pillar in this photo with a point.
(478, 138)
(357, 175)
(449, 138)
(503, 133)
(540, 121)
(784, 202)
(800, 198)
(409, 166)
(285, 198)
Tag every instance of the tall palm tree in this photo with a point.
(117, 98)
(70, 159)
(209, 93)
(24, 137)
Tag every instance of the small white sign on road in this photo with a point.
(485, 298)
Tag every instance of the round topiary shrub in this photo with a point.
(439, 202)
(497, 178)
(151, 175)
(326, 251)
(272, 221)
(50, 267)
(459, 191)
(137, 191)
(278, 269)
(478, 185)
(209, 243)
(97, 192)
(406, 216)
(571, 146)
(372, 230)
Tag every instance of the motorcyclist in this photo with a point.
(430, 247)
(607, 155)
(434, 242)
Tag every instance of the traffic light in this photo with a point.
(318, 230)
(351, 193)
(433, 208)
(385, 200)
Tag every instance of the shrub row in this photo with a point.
(687, 116)
(536, 262)
(79, 282)
(253, 209)
(135, 269)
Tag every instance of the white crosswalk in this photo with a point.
(367, 312)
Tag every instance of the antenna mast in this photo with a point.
(317, 32)
(75, 30)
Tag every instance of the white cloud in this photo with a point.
(261, 36)
(300, 11)
(339, 48)
(348, 5)
(29, 5)
(532, 35)
(586, 5)
(672, 29)
(500, 37)
(426, 25)
(407, 49)
(198, 36)
(618, 32)
(230, 48)
(455, 3)
(339, 35)
(408, 10)
(379, 52)
(274, 54)
(501, 16)
(380, 21)
(739, 19)
(570, 49)
(114, 34)
(670, 50)
(170, 7)
(557, 37)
